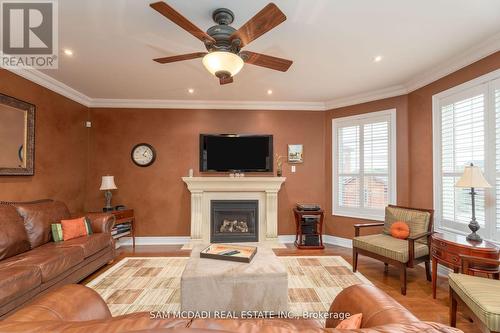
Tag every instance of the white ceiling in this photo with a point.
(332, 44)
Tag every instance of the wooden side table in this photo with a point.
(124, 217)
(298, 228)
(447, 248)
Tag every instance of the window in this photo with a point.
(466, 121)
(363, 160)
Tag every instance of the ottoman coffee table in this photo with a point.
(218, 285)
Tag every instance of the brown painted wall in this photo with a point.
(420, 117)
(157, 193)
(60, 146)
(343, 226)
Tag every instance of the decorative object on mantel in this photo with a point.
(473, 178)
(108, 184)
(295, 154)
(279, 163)
(143, 154)
(190, 173)
(17, 137)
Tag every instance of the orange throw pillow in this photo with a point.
(351, 323)
(400, 230)
(74, 228)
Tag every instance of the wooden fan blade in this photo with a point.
(263, 60)
(226, 80)
(181, 57)
(174, 16)
(265, 20)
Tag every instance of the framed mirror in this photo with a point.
(17, 137)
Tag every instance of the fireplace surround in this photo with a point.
(264, 190)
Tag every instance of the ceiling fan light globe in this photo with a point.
(221, 61)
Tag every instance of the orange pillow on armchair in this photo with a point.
(74, 228)
(400, 230)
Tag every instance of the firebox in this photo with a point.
(234, 221)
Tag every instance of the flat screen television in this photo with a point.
(236, 153)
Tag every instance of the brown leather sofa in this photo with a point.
(78, 309)
(31, 263)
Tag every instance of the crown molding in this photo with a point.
(393, 91)
(473, 54)
(206, 105)
(470, 56)
(50, 83)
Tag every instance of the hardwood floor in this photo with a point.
(419, 292)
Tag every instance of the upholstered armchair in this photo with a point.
(401, 253)
(479, 296)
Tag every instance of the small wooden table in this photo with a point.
(124, 217)
(298, 229)
(447, 248)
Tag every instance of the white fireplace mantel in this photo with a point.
(205, 189)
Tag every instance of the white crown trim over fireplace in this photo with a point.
(205, 189)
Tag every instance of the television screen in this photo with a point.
(233, 152)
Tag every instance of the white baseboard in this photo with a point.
(339, 241)
(327, 239)
(170, 240)
(286, 238)
(181, 240)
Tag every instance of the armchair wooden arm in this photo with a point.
(468, 261)
(366, 225)
(411, 245)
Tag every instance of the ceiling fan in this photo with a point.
(225, 58)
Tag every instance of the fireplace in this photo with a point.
(234, 221)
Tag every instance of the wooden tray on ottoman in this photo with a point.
(246, 253)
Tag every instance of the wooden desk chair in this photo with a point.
(401, 253)
(479, 296)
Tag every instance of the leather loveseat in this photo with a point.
(31, 263)
(78, 309)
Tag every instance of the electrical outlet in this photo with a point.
(294, 168)
(88, 124)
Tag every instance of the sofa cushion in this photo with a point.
(16, 281)
(418, 221)
(481, 296)
(50, 260)
(90, 244)
(389, 246)
(39, 216)
(13, 237)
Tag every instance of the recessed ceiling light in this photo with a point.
(68, 52)
(377, 59)
(191, 90)
(269, 92)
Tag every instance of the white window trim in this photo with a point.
(392, 188)
(489, 231)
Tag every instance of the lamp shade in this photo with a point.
(472, 177)
(221, 61)
(108, 183)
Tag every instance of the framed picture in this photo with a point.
(295, 153)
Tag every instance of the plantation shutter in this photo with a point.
(462, 143)
(362, 165)
(496, 103)
(349, 166)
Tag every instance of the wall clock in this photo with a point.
(143, 154)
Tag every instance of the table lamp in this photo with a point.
(473, 178)
(108, 184)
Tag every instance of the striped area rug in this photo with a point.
(153, 283)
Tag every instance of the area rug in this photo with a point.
(153, 283)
